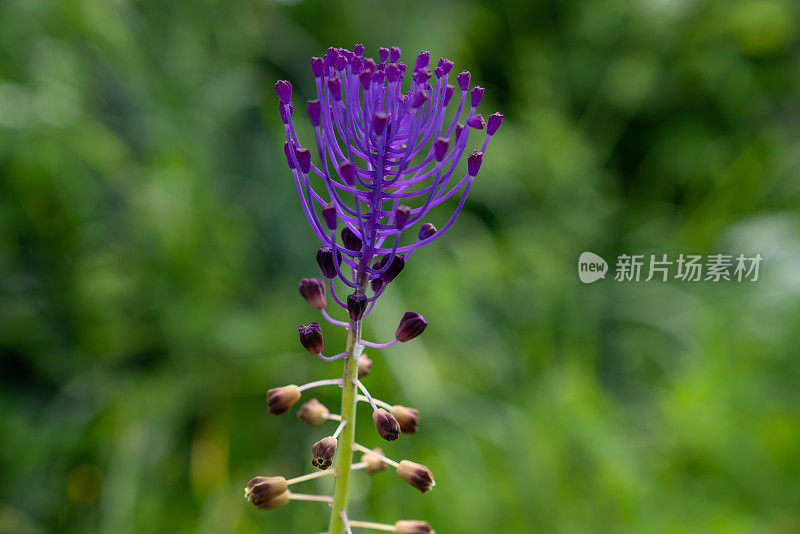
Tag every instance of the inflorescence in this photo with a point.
(379, 148)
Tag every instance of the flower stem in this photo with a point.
(344, 452)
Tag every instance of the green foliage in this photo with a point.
(151, 243)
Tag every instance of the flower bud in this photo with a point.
(358, 50)
(387, 425)
(347, 169)
(383, 54)
(335, 88)
(284, 90)
(311, 337)
(459, 129)
(325, 261)
(476, 95)
(476, 121)
(411, 325)
(323, 452)
(422, 60)
(448, 94)
(356, 305)
(267, 492)
(416, 474)
(317, 66)
(288, 151)
(329, 214)
(413, 527)
(364, 366)
(426, 230)
(474, 163)
(314, 108)
(303, 158)
(313, 413)
(398, 263)
(365, 78)
(392, 73)
(350, 240)
(401, 215)
(495, 120)
(313, 290)
(463, 80)
(379, 121)
(376, 284)
(419, 99)
(440, 147)
(330, 56)
(407, 418)
(374, 464)
(281, 399)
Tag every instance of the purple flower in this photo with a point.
(389, 144)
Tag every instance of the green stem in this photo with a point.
(344, 451)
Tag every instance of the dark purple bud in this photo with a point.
(446, 65)
(284, 90)
(448, 93)
(474, 163)
(281, 399)
(331, 56)
(348, 54)
(417, 475)
(347, 170)
(401, 215)
(376, 284)
(356, 64)
(285, 117)
(314, 108)
(350, 240)
(411, 325)
(398, 263)
(423, 59)
(476, 122)
(365, 78)
(379, 122)
(358, 50)
(419, 99)
(440, 147)
(322, 452)
(426, 230)
(422, 75)
(325, 261)
(495, 120)
(313, 290)
(378, 77)
(439, 72)
(289, 158)
(369, 65)
(459, 129)
(476, 95)
(383, 54)
(335, 87)
(311, 337)
(303, 158)
(402, 67)
(341, 62)
(318, 66)
(392, 73)
(463, 80)
(394, 54)
(329, 214)
(387, 425)
(357, 305)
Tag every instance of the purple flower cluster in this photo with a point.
(379, 148)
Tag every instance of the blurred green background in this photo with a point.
(151, 243)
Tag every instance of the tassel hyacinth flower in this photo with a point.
(389, 140)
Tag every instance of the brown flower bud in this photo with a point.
(413, 527)
(417, 475)
(356, 305)
(262, 490)
(387, 425)
(364, 365)
(411, 325)
(311, 337)
(408, 418)
(282, 499)
(313, 413)
(374, 464)
(282, 398)
(323, 452)
(313, 290)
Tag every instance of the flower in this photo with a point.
(387, 425)
(267, 492)
(313, 413)
(323, 452)
(311, 337)
(281, 399)
(313, 290)
(412, 527)
(411, 325)
(407, 418)
(374, 463)
(416, 474)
